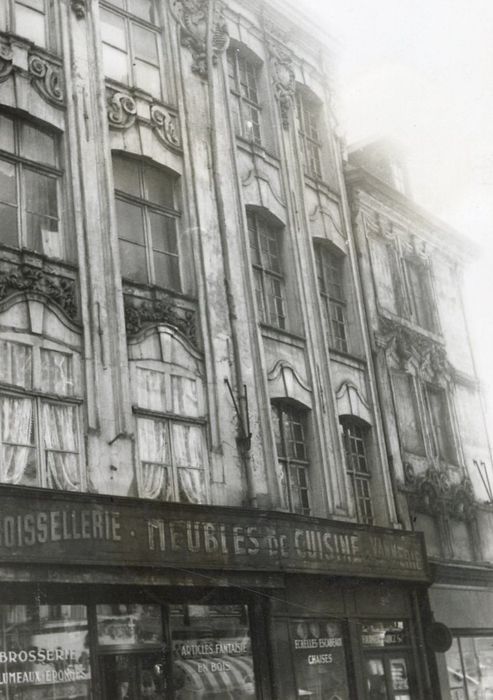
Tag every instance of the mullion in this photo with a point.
(172, 460)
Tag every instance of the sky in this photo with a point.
(421, 71)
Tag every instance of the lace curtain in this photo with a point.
(154, 459)
(151, 391)
(189, 459)
(60, 441)
(56, 372)
(184, 396)
(18, 465)
(16, 364)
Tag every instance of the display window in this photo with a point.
(388, 660)
(470, 668)
(319, 653)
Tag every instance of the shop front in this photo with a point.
(123, 599)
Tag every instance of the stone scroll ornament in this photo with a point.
(122, 110)
(283, 78)
(6, 63)
(46, 78)
(164, 124)
(191, 15)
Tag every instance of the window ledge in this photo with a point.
(282, 335)
(259, 150)
(321, 186)
(406, 323)
(340, 355)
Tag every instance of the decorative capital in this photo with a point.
(284, 79)
(122, 110)
(79, 8)
(6, 60)
(433, 493)
(142, 312)
(46, 78)
(165, 125)
(192, 16)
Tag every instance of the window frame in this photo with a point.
(271, 307)
(236, 60)
(441, 432)
(354, 434)
(39, 398)
(48, 22)
(288, 463)
(308, 110)
(130, 20)
(21, 165)
(147, 208)
(422, 312)
(334, 307)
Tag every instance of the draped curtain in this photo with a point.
(59, 424)
(184, 396)
(151, 390)
(18, 465)
(56, 372)
(189, 458)
(154, 459)
(16, 364)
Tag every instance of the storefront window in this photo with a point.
(388, 660)
(470, 668)
(44, 652)
(212, 653)
(319, 659)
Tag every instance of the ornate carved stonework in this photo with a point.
(46, 78)
(79, 8)
(141, 312)
(122, 110)
(25, 278)
(433, 493)
(192, 18)
(407, 344)
(165, 125)
(6, 64)
(284, 79)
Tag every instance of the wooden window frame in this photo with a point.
(330, 273)
(294, 468)
(354, 436)
(245, 93)
(308, 111)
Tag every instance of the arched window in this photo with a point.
(147, 222)
(355, 437)
(290, 430)
(29, 187)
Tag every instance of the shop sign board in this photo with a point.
(48, 527)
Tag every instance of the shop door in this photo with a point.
(389, 676)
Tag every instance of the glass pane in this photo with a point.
(43, 236)
(30, 24)
(385, 634)
(37, 145)
(375, 680)
(126, 175)
(129, 625)
(18, 458)
(56, 372)
(147, 77)
(399, 674)
(133, 262)
(41, 193)
(47, 651)
(130, 221)
(319, 659)
(151, 389)
(133, 676)
(212, 654)
(16, 364)
(9, 234)
(115, 64)
(113, 30)
(163, 233)
(166, 271)
(8, 188)
(153, 441)
(143, 9)
(159, 187)
(7, 142)
(184, 396)
(144, 44)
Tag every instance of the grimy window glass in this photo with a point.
(420, 298)
(308, 112)
(243, 79)
(147, 223)
(358, 470)
(330, 272)
(29, 188)
(290, 430)
(30, 20)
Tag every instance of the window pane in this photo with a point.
(41, 193)
(154, 459)
(133, 262)
(132, 625)
(167, 271)
(147, 77)
(151, 389)
(144, 44)
(115, 64)
(113, 30)
(60, 436)
(184, 396)
(143, 9)
(163, 233)
(56, 372)
(7, 134)
(126, 175)
(37, 145)
(15, 364)
(8, 188)
(8, 225)
(18, 458)
(130, 221)
(159, 187)
(42, 235)
(30, 24)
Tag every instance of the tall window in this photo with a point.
(266, 250)
(290, 428)
(330, 272)
(171, 442)
(309, 129)
(407, 413)
(242, 74)
(39, 418)
(441, 427)
(29, 187)
(147, 218)
(469, 663)
(29, 19)
(354, 438)
(130, 33)
(420, 298)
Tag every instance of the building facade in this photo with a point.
(200, 496)
(412, 268)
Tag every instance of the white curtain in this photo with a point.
(189, 458)
(16, 364)
(184, 393)
(154, 459)
(151, 390)
(60, 442)
(56, 372)
(17, 437)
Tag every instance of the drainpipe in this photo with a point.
(244, 441)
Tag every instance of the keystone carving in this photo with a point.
(191, 15)
(165, 126)
(6, 64)
(154, 311)
(122, 110)
(46, 78)
(433, 493)
(284, 79)
(25, 278)
(79, 8)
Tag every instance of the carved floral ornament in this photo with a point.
(284, 79)
(46, 78)
(6, 60)
(192, 16)
(25, 278)
(434, 494)
(143, 312)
